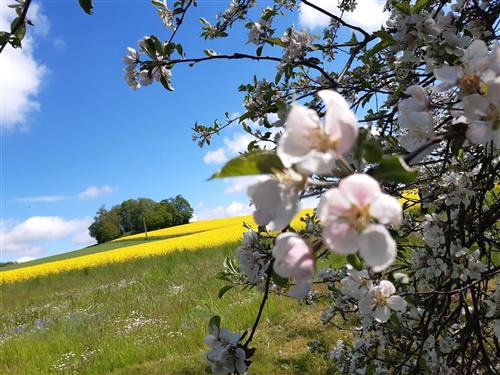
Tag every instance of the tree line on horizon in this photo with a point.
(139, 215)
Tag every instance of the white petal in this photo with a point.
(386, 209)
(340, 121)
(475, 51)
(448, 75)
(475, 106)
(365, 305)
(377, 247)
(382, 313)
(293, 257)
(316, 162)
(275, 203)
(295, 142)
(386, 287)
(496, 137)
(479, 132)
(418, 93)
(333, 100)
(360, 189)
(396, 303)
(421, 120)
(494, 92)
(302, 288)
(340, 237)
(333, 204)
(240, 365)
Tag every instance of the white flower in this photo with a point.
(417, 102)
(313, 148)
(224, 357)
(276, 201)
(380, 301)
(256, 31)
(131, 59)
(293, 259)
(252, 262)
(419, 129)
(347, 213)
(483, 114)
(356, 284)
(476, 64)
(416, 120)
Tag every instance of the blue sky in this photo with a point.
(75, 137)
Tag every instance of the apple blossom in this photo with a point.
(483, 114)
(475, 68)
(312, 148)
(356, 284)
(224, 356)
(347, 213)
(294, 259)
(380, 301)
(417, 102)
(276, 200)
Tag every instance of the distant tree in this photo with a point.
(181, 208)
(139, 215)
(106, 225)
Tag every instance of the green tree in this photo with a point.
(106, 225)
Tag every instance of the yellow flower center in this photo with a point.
(359, 217)
(379, 297)
(322, 142)
(469, 84)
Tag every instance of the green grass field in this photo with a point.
(147, 316)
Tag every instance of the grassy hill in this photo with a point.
(147, 312)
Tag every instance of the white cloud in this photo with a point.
(89, 192)
(25, 259)
(95, 191)
(215, 157)
(25, 239)
(233, 146)
(240, 184)
(233, 209)
(369, 14)
(43, 198)
(237, 143)
(20, 74)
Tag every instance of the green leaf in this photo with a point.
(21, 30)
(354, 261)
(259, 50)
(166, 84)
(224, 289)
(255, 162)
(403, 8)
(383, 44)
(372, 151)
(87, 6)
(214, 321)
(456, 145)
(282, 282)
(158, 4)
(421, 4)
(395, 169)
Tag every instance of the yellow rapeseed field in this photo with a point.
(193, 236)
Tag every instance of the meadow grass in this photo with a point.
(148, 316)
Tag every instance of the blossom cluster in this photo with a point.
(224, 356)
(478, 80)
(353, 215)
(136, 77)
